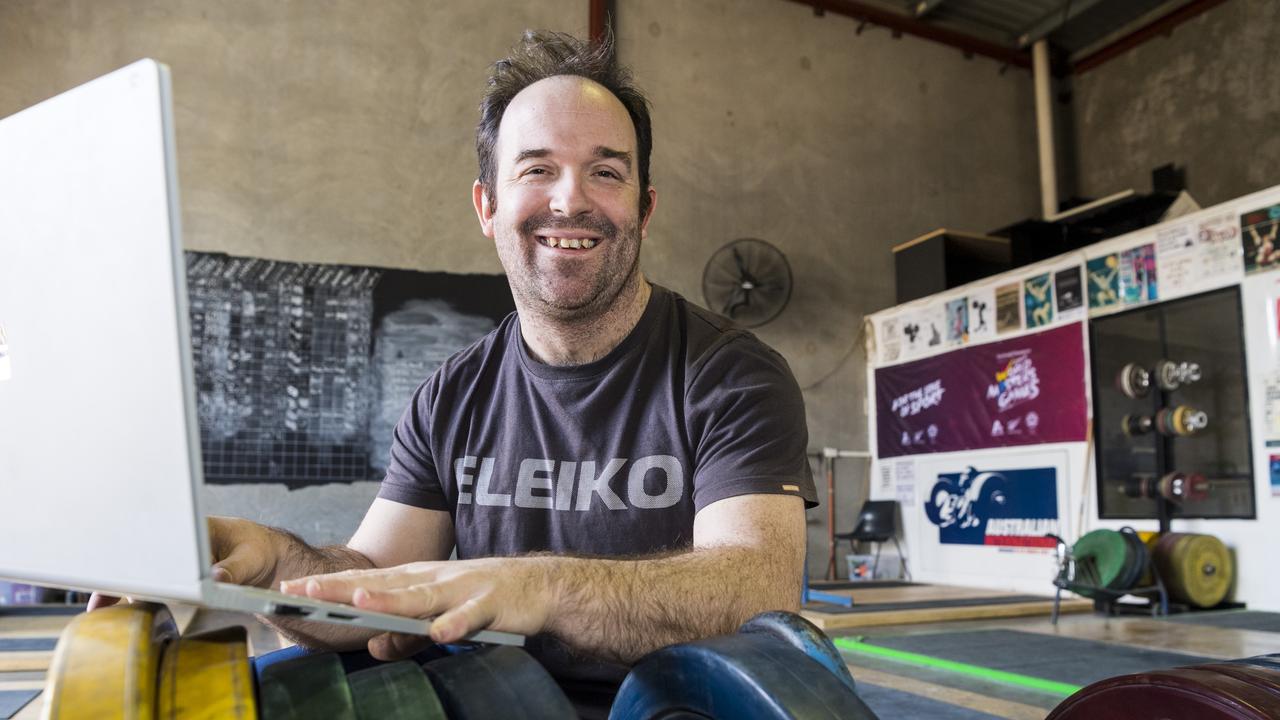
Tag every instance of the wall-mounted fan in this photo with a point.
(747, 281)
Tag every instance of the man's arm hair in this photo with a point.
(390, 534)
(747, 558)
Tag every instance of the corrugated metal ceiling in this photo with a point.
(1072, 25)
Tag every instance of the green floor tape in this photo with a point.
(1026, 681)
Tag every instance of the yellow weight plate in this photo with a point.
(1198, 569)
(207, 677)
(106, 664)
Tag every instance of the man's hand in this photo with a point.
(243, 553)
(509, 594)
(747, 557)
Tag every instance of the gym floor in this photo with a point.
(954, 670)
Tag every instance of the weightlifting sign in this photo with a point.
(1009, 508)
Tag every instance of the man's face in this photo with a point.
(565, 218)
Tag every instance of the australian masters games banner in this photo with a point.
(1024, 391)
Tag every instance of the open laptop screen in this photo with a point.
(98, 464)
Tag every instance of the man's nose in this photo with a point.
(569, 197)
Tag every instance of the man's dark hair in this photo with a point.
(540, 55)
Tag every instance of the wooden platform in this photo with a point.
(927, 604)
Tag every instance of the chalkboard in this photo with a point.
(303, 369)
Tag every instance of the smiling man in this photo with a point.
(618, 469)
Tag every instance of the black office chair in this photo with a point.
(877, 523)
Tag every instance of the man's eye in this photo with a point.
(605, 172)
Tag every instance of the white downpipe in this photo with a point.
(1044, 130)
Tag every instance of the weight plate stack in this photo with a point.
(106, 665)
(1101, 557)
(1135, 425)
(395, 691)
(1135, 560)
(793, 630)
(207, 676)
(1197, 569)
(1133, 381)
(311, 686)
(497, 681)
(1190, 693)
(1168, 378)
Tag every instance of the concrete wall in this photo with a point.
(771, 122)
(331, 133)
(1205, 97)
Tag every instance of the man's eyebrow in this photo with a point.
(611, 154)
(534, 153)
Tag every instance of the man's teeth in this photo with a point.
(569, 243)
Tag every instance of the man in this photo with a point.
(618, 469)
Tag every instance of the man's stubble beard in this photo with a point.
(617, 274)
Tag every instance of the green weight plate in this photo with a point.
(395, 691)
(312, 686)
(1104, 551)
(497, 681)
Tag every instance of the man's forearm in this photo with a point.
(620, 610)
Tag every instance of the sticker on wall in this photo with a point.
(1220, 249)
(890, 339)
(1039, 300)
(1104, 281)
(1275, 476)
(6, 366)
(933, 322)
(914, 335)
(1138, 275)
(1008, 308)
(1179, 258)
(958, 321)
(982, 315)
(1067, 292)
(1011, 508)
(1258, 233)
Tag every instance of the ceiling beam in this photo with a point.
(1163, 26)
(1054, 20)
(900, 23)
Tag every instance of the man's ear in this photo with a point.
(484, 208)
(644, 222)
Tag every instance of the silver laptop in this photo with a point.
(100, 471)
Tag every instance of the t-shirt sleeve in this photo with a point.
(747, 424)
(411, 471)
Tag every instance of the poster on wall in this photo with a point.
(1258, 233)
(1138, 282)
(1104, 281)
(1038, 296)
(1068, 294)
(1023, 391)
(982, 315)
(1002, 507)
(1008, 308)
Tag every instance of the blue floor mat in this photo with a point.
(1237, 619)
(27, 644)
(11, 701)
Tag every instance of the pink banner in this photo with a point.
(1025, 391)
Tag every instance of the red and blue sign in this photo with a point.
(1009, 508)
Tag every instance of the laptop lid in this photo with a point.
(99, 452)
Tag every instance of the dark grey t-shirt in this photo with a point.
(610, 458)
